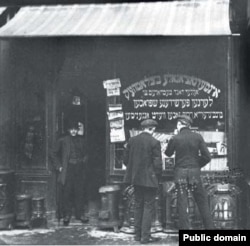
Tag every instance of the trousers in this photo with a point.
(189, 180)
(74, 191)
(144, 210)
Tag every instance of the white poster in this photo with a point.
(112, 83)
(117, 135)
(113, 92)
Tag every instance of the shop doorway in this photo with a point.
(74, 104)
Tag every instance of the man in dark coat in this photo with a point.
(143, 160)
(191, 154)
(70, 160)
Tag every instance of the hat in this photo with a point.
(148, 123)
(72, 125)
(185, 118)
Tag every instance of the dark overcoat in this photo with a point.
(143, 160)
(61, 153)
(190, 149)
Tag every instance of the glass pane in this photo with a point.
(165, 97)
(119, 152)
(30, 117)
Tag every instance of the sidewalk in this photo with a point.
(75, 234)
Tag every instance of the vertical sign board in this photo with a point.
(115, 113)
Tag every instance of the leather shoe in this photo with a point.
(150, 240)
(84, 219)
(137, 238)
(66, 222)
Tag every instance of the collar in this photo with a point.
(183, 129)
(147, 133)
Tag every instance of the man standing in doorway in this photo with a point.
(191, 154)
(70, 159)
(143, 160)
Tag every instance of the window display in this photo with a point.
(164, 98)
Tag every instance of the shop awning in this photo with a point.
(197, 17)
(2, 10)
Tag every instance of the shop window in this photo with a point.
(31, 121)
(119, 152)
(164, 98)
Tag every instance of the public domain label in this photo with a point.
(214, 237)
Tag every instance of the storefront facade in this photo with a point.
(160, 74)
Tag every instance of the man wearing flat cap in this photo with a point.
(191, 154)
(143, 160)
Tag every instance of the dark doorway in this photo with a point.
(75, 105)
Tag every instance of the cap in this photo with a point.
(187, 119)
(149, 122)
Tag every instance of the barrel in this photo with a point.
(7, 199)
(109, 213)
(23, 208)
(39, 217)
(38, 207)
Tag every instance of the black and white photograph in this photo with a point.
(124, 122)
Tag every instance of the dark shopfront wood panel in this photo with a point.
(38, 186)
(43, 69)
(27, 110)
(7, 151)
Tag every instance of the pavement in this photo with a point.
(76, 234)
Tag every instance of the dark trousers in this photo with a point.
(74, 191)
(144, 210)
(188, 179)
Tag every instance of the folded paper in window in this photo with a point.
(115, 115)
(117, 135)
(115, 107)
(113, 92)
(112, 83)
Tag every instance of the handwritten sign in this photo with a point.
(115, 115)
(112, 83)
(173, 115)
(115, 107)
(117, 135)
(113, 92)
(118, 123)
(168, 79)
(164, 98)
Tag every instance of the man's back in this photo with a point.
(189, 148)
(191, 154)
(143, 160)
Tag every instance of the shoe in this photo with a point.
(66, 221)
(84, 219)
(137, 238)
(150, 240)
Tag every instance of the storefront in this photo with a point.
(126, 66)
